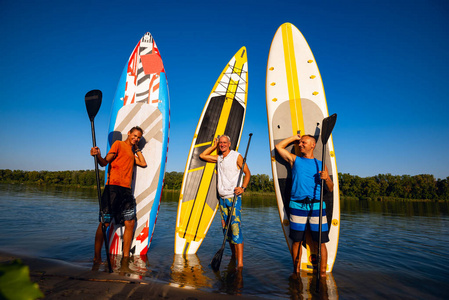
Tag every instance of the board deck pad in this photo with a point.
(142, 100)
(223, 113)
(296, 103)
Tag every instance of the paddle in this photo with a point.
(326, 130)
(93, 103)
(216, 261)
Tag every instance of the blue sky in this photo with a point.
(384, 66)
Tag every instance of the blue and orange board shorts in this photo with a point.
(235, 232)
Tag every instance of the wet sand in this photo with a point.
(61, 280)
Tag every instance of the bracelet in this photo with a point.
(138, 150)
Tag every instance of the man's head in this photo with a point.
(134, 135)
(224, 144)
(307, 144)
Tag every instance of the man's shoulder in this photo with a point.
(307, 159)
(117, 143)
(234, 152)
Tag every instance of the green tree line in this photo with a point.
(258, 183)
(383, 185)
(422, 186)
(75, 178)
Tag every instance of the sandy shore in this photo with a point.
(61, 280)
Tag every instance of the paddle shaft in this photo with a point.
(97, 173)
(233, 204)
(235, 196)
(327, 127)
(97, 176)
(323, 167)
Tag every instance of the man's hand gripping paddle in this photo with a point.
(216, 261)
(326, 130)
(93, 103)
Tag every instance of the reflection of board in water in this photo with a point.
(303, 286)
(135, 267)
(187, 271)
(296, 103)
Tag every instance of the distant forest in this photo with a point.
(379, 187)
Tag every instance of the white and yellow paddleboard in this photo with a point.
(296, 103)
(223, 113)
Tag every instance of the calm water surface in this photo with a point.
(394, 250)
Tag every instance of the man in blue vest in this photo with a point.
(305, 196)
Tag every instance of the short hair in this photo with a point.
(226, 136)
(136, 128)
(311, 136)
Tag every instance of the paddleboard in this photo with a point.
(223, 113)
(142, 100)
(296, 103)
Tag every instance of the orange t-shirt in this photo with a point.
(121, 168)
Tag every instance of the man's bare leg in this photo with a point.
(239, 254)
(127, 236)
(98, 243)
(323, 264)
(232, 247)
(296, 256)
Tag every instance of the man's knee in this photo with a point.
(130, 223)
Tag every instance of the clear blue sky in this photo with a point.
(384, 66)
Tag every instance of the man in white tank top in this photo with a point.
(229, 164)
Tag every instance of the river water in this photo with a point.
(394, 250)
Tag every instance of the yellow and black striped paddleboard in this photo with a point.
(223, 113)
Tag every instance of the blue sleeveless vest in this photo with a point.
(306, 181)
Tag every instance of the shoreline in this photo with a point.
(249, 193)
(59, 279)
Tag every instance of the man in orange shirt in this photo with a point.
(117, 200)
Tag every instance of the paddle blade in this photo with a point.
(216, 261)
(328, 126)
(93, 103)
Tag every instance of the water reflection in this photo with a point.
(403, 208)
(136, 266)
(187, 271)
(26, 191)
(230, 280)
(303, 286)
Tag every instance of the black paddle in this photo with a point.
(93, 103)
(326, 130)
(216, 261)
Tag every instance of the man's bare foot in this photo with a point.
(96, 264)
(294, 276)
(97, 260)
(124, 267)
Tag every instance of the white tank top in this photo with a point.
(228, 174)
